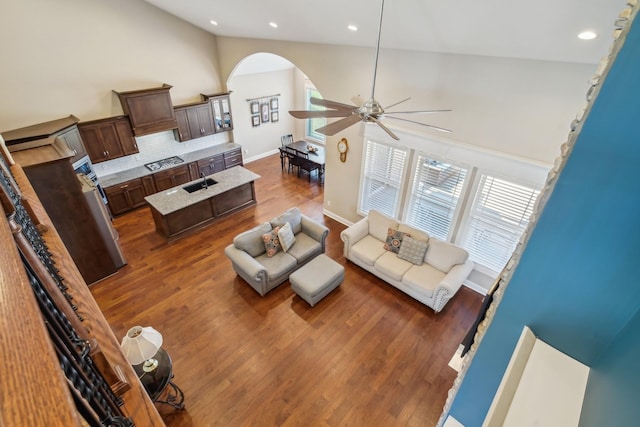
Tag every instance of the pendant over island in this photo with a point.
(196, 204)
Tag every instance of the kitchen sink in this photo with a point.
(191, 188)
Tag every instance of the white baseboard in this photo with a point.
(260, 156)
(475, 287)
(338, 218)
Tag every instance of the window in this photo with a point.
(313, 124)
(434, 196)
(498, 217)
(447, 192)
(384, 167)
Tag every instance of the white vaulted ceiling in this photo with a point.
(540, 29)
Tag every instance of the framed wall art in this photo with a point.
(255, 120)
(274, 116)
(255, 107)
(274, 103)
(264, 110)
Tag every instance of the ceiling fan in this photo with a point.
(366, 111)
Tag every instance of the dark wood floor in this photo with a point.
(365, 355)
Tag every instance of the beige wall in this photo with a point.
(522, 108)
(266, 137)
(65, 57)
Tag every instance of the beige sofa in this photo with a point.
(249, 257)
(433, 279)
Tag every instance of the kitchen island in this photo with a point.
(176, 211)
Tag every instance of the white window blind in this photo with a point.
(313, 124)
(434, 196)
(499, 215)
(383, 170)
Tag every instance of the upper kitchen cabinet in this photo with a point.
(108, 139)
(64, 129)
(149, 110)
(194, 121)
(221, 107)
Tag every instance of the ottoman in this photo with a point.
(316, 279)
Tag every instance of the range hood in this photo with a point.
(149, 110)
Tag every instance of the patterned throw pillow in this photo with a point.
(287, 239)
(394, 240)
(272, 242)
(413, 250)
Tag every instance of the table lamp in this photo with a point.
(140, 345)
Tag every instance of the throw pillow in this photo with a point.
(271, 242)
(413, 250)
(394, 240)
(293, 216)
(287, 239)
(251, 241)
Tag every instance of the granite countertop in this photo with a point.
(140, 171)
(176, 198)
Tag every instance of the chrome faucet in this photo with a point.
(204, 180)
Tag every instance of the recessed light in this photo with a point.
(273, 24)
(213, 22)
(587, 35)
(352, 28)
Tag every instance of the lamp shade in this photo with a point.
(141, 344)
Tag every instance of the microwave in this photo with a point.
(83, 166)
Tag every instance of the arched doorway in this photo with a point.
(264, 87)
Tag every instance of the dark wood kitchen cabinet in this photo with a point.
(232, 158)
(182, 133)
(108, 139)
(149, 110)
(126, 196)
(170, 178)
(194, 121)
(221, 108)
(210, 165)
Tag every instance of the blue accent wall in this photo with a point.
(614, 383)
(577, 285)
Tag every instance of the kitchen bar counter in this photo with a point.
(140, 171)
(176, 211)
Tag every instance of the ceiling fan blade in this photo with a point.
(335, 127)
(304, 114)
(384, 128)
(419, 111)
(330, 104)
(422, 124)
(399, 102)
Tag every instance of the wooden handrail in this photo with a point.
(33, 389)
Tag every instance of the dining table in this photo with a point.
(315, 153)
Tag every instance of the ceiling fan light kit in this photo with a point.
(368, 111)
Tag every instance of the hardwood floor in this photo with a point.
(365, 355)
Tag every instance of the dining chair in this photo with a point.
(286, 140)
(283, 158)
(307, 165)
(295, 161)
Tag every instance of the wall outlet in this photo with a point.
(328, 202)
(137, 158)
(246, 151)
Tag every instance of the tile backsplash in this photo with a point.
(158, 146)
